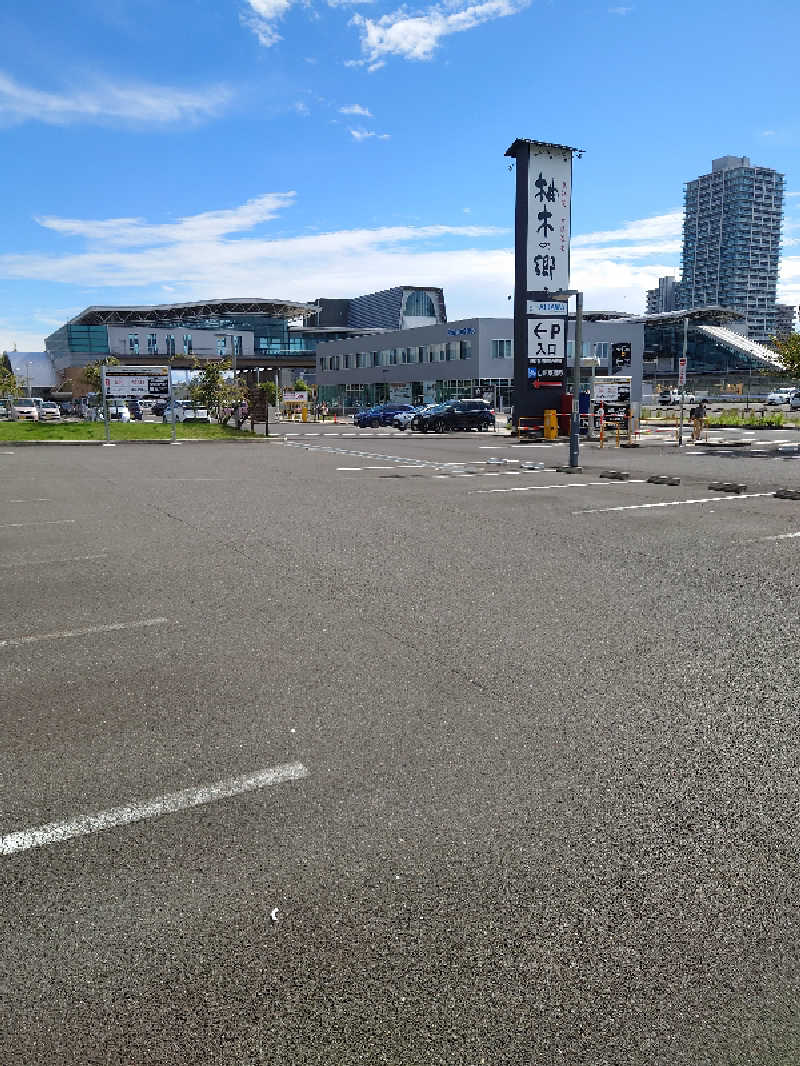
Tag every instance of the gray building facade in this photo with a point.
(401, 307)
(731, 241)
(469, 357)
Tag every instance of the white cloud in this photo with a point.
(301, 107)
(655, 227)
(199, 255)
(218, 253)
(768, 133)
(106, 103)
(417, 35)
(620, 10)
(363, 135)
(260, 17)
(355, 109)
(196, 229)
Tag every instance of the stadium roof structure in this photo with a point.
(168, 313)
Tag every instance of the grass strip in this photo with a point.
(120, 431)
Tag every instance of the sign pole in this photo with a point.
(105, 406)
(575, 427)
(171, 403)
(683, 377)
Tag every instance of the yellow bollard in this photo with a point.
(550, 429)
(304, 413)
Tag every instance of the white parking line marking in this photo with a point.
(539, 488)
(350, 468)
(782, 536)
(170, 803)
(676, 503)
(29, 501)
(45, 522)
(63, 559)
(15, 642)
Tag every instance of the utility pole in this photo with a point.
(683, 382)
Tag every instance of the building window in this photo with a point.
(502, 349)
(601, 350)
(133, 343)
(152, 344)
(466, 349)
(222, 347)
(170, 343)
(376, 358)
(187, 344)
(420, 305)
(237, 346)
(346, 362)
(323, 364)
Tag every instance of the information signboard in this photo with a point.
(682, 363)
(549, 196)
(546, 352)
(136, 381)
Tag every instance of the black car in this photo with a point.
(453, 415)
(135, 409)
(159, 407)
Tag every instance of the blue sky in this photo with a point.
(161, 151)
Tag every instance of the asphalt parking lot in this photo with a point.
(361, 747)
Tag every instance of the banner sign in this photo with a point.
(682, 371)
(549, 197)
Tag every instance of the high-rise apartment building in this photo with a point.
(662, 298)
(784, 319)
(731, 241)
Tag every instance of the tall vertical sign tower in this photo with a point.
(541, 245)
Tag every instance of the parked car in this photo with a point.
(25, 411)
(454, 415)
(186, 411)
(5, 409)
(381, 415)
(402, 420)
(49, 412)
(368, 416)
(794, 400)
(146, 404)
(782, 395)
(135, 409)
(117, 412)
(159, 407)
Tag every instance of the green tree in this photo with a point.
(301, 386)
(9, 384)
(93, 372)
(269, 388)
(788, 349)
(5, 362)
(210, 389)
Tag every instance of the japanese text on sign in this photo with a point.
(549, 194)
